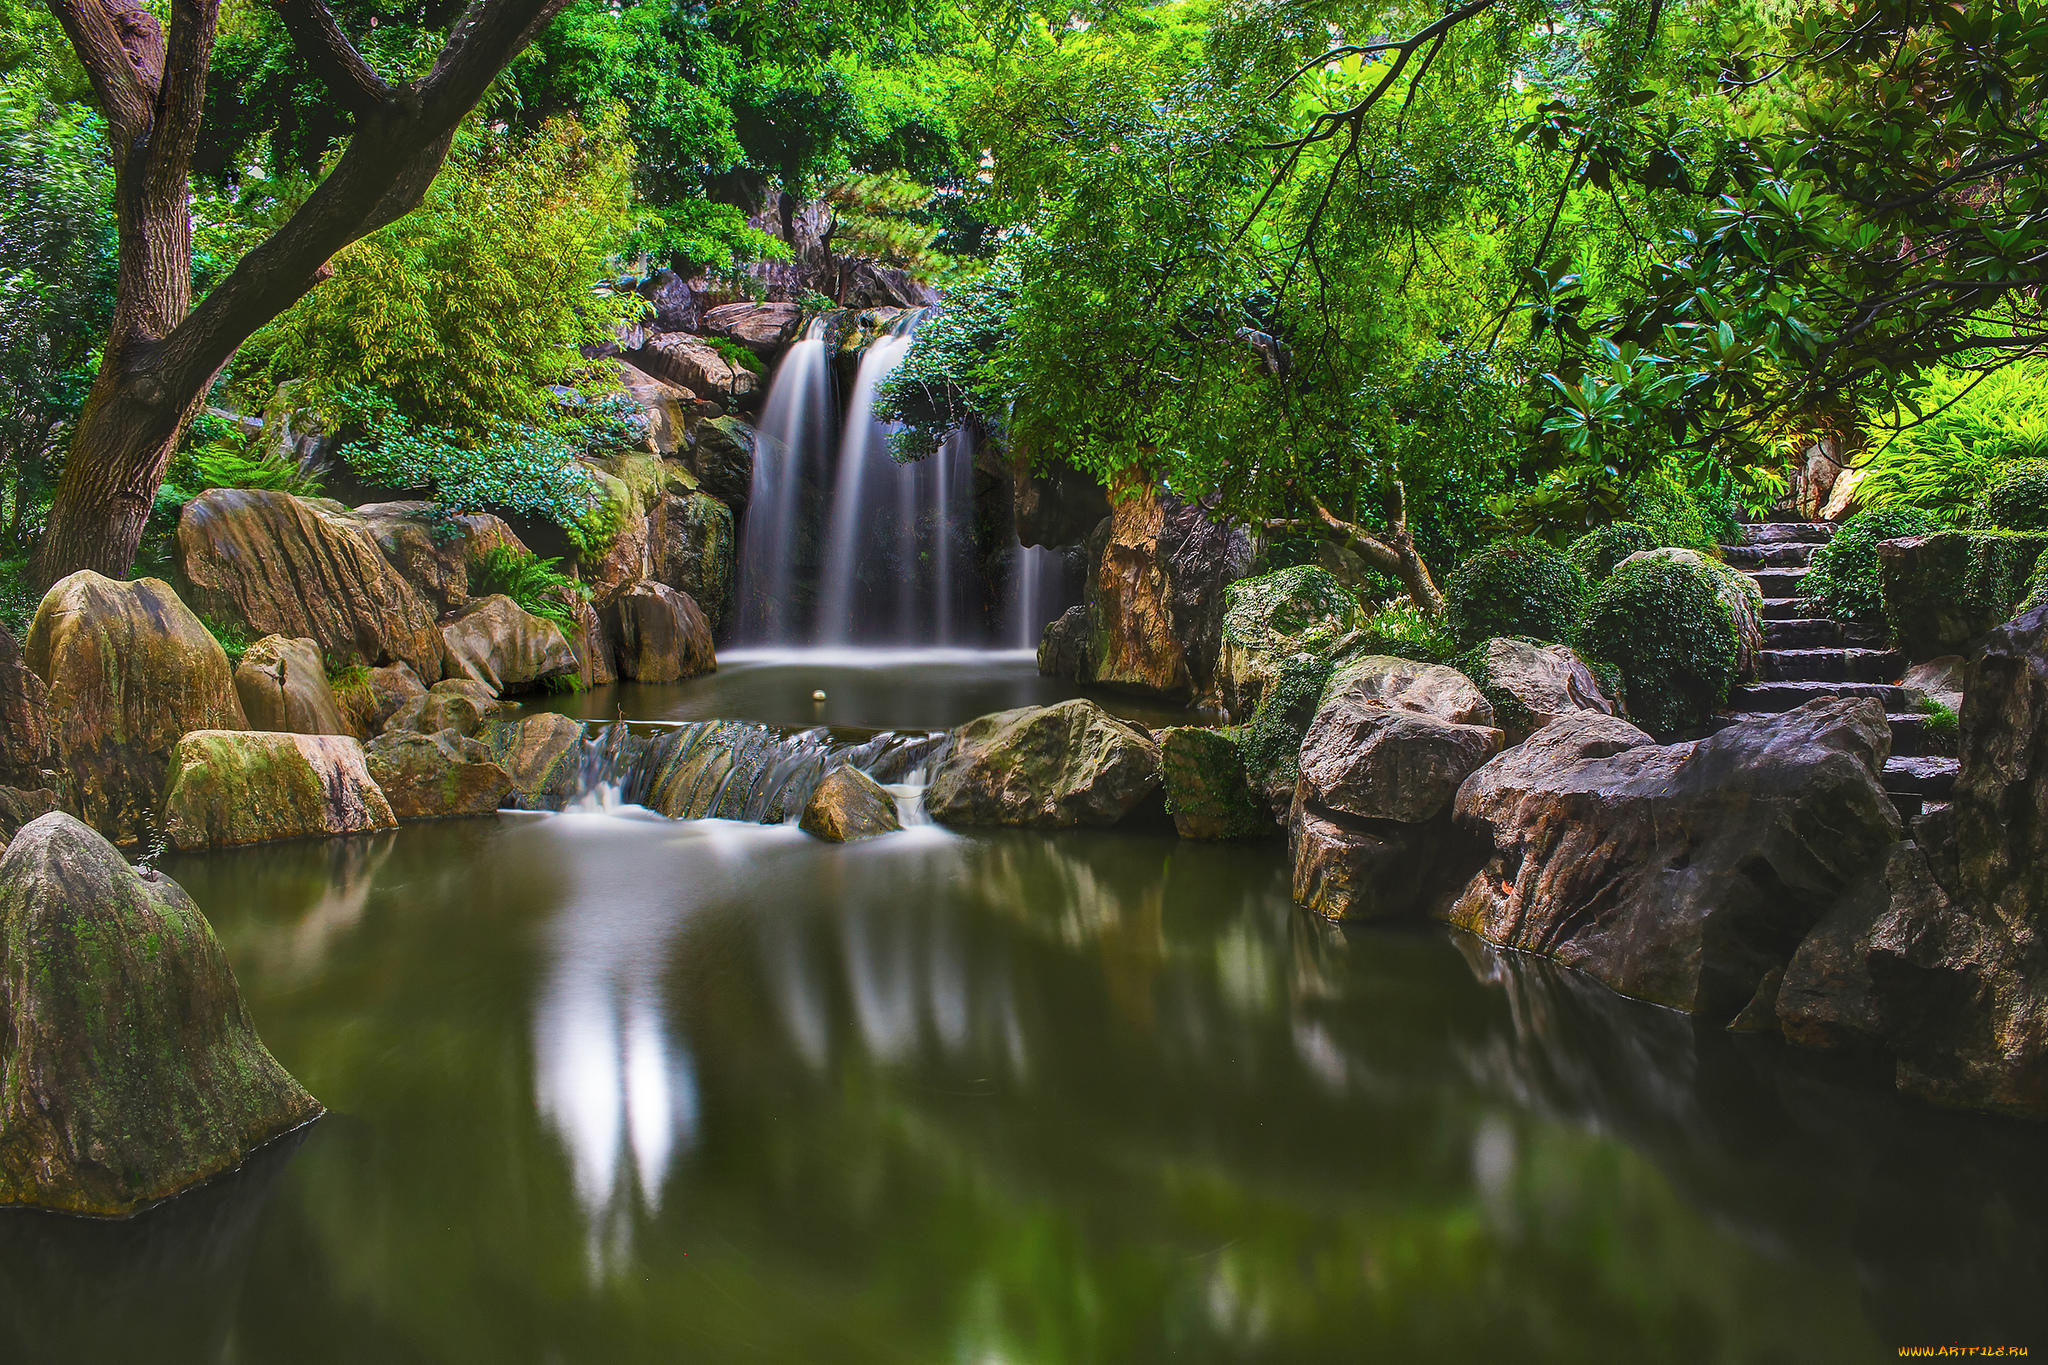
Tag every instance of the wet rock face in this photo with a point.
(304, 569)
(133, 1070)
(1536, 684)
(1402, 683)
(1207, 790)
(1056, 508)
(847, 805)
(692, 549)
(542, 754)
(1156, 609)
(1683, 874)
(232, 787)
(1063, 650)
(29, 757)
(507, 649)
(1372, 761)
(1346, 868)
(656, 633)
(1960, 958)
(129, 670)
(282, 685)
(1046, 766)
(430, 777)
(722, 454)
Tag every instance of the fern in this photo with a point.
(1972, 425)
(537, 585)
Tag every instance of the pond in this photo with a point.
(610, 1088)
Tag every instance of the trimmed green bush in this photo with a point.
(1597, 552)
(1514, 587)
(2017, 499)
(1945, 590)
(1844, 581)
(1663, 624)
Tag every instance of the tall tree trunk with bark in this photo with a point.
(162, 354)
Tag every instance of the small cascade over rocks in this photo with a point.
(738, 770)
(797, 420)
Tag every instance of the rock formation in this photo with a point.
(282, 685)
(847, 805)
(1049, 766)
(243, 787)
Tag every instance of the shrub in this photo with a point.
(2017, 498)
(1515, 587)
(1944, 726)
(1662, 623)
(1597, 552)
(537, 585)
(1401, 630)
(1843, 582)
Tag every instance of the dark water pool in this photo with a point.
(910, 689)
(608, 1089)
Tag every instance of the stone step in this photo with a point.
(1818, 632)
(1784, 532)
(1776, 555)
(1923, 775)
(1787, 696)
(1832, 665)
(1910, 736)
(1786, 608)
(1778, 583)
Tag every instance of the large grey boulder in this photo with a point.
(1429, 688)
(498, 643)
(129, 670)
(132, 1069)
(249, 786)
(1372, 761)
(1531, 685)
(282, 685)
(656, 633)
(542, 754)
(1051, 766)
(1346, 868)
(1682, 874)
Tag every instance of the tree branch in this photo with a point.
(121, 46)
(319, 39)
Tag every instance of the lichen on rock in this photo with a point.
(250, 786)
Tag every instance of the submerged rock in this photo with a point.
(282, 685)
(506, 648)
(1348, 868)
(304, 568)
(846, 805)
(543, 755)
(657, 634)
(1055, 766)
(1207, 792)
(130, 670)
(244, 787)
(132, 1070)
(428, 777)
(1683, 874)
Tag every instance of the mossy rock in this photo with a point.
(1943, 592)
(1072, 764)
(133, 1070)
(847, 805)
(1207, 792)
(250, 786)
(542, 753)
(1301, 610)
(433, 777)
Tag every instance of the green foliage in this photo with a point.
(1514, 587)
(1843, 582)
(537, 585)
(1944, 451)
(231, 463)
(1509, 711)
(1270, 742)
(1663, 625)
(437, 314)
(2017, 498)
(735, 353)
(1401, 630)
(1956, 586)
(18, 596)
(1597, 552)
(1943, 725)
(233, 638)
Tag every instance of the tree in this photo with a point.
(162, 353)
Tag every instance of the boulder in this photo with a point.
(695, 365)
(1052, 766)
(722, 453)
(246, 787)
(1939, 679)
(594, 666)
(1156, 602)
(846, 805)
(691, 548)
(504, 647)
(282, 685)
(1682, 874)
(656, 633)
(543, 755)
(762, 328)
(1944, 592)
(20, 805)
(305, 569)
(1429, 688)
(1347, 868)
(628, 558)
(391, 686)
(30, 758)
(133, 1070)
(432, 549)
(1302, 610)
(428, 777)
(129, 670)
(1737, 591)
(1207, 792)
(1529, 685)
(1374, 761)
(1063, 651)
(677, 302)
(664, 409)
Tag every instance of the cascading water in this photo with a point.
(796, 422)
(1037, 580)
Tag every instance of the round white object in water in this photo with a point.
(818, 695)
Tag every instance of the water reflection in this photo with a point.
(617, 1090)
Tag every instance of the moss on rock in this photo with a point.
(251, 786)
(1942, 592)
(1208, 793)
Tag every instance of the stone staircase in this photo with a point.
(1806, 657)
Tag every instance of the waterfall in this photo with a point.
(1035, 596)
(796, 422)
(863, 536)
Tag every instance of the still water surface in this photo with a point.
(614, 1089)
